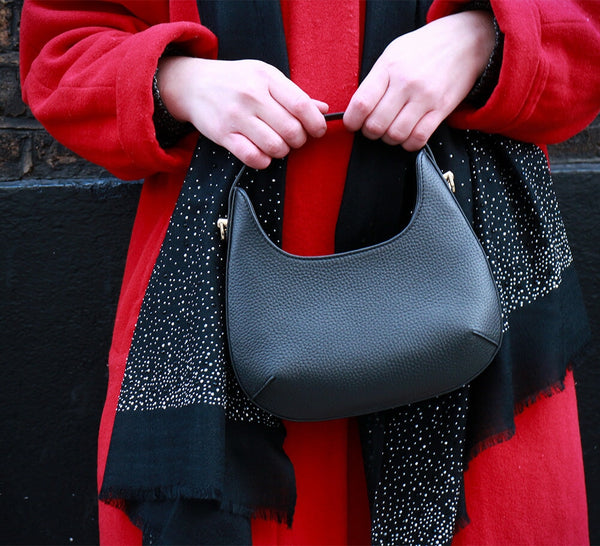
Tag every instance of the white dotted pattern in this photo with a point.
(415, 500)
(517, 219)
(516, 216)
(179, 354)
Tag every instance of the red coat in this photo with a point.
(90, 64)
(87, 69)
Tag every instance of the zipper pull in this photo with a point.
(449, 178)
(222, 225)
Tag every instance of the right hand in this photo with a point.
(247, 106)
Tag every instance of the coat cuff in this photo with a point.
(135, 101)
(513, 98)
(550, 46)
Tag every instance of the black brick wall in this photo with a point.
(64, 227)
(27, 152)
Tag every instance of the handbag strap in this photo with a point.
(328, 117)
(334, 116)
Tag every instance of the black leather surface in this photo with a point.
(314, 338)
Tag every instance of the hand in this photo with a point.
(420, 78)
(248, 107)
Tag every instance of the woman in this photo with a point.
(87, 71)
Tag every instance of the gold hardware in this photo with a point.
(222, 225)
(449, 178)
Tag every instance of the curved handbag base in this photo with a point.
(325, 337)
(280, 399)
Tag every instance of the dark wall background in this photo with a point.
(64, 227)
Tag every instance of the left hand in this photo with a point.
(420, 78)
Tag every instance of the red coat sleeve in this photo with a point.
(86, 73)
(549, 85)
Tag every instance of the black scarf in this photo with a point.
(191, 456)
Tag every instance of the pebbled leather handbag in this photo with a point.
(316, 338)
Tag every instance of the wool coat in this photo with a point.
(87, 70)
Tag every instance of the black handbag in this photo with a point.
(316, 338)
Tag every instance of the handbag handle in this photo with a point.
(334, 116)
(222, 222)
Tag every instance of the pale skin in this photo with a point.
(253, 110)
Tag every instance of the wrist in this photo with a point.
(488, 79)
(169, 129)
(170, 78)
(481, 25)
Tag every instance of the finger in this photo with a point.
(264, 136)
(322, 106)
(299, 105)
(365, 99)
(246, 151)
(385, 113)
(284, 124)
(405, 121)
(423, 130)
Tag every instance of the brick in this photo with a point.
(22, 122)
(16, 22)
(6, 24)
(15, 155)
(9, 58)
(10, 17)
(583, 147)
(52, 160)
(11, 103)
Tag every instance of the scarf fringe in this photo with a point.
(118, 498)
(463, 519)
(461, 522)
(519, 407)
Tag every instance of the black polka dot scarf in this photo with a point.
(184, 430)
(190, 456)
